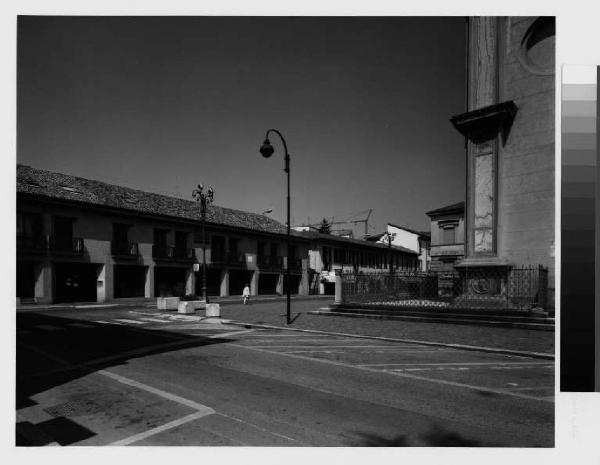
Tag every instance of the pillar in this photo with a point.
(224, 291)
(105, 283)
(149, 284)
(44, 289)
(190, 281)
(279, 287)
(254, 283)
(339, 296)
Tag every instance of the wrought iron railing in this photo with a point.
(236, 259)
(32, 243)
(523, 287)
(294, 263)
(72, 245)
(269, 262)
(125, 249)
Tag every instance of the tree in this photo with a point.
(324, 227)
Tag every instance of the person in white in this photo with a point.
(246, 294)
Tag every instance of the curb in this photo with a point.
(150, 304)
(494, 350)
(435, 319)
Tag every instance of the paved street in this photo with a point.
(96, 376)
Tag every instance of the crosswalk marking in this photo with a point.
(154, 320)
(125, 320)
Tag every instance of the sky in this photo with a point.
(164, 103)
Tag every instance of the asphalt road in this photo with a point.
(136, 377)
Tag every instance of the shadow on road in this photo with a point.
(69, 349)
(435, 437)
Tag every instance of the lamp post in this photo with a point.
(389, 237)
(266, 151)
(205, 199)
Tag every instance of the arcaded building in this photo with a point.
(509, 131)
(80, 240)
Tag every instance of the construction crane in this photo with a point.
(365, 221)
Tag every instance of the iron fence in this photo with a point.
(505, 287)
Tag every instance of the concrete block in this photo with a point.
(167, 303)
(186, 307)
(213, 310)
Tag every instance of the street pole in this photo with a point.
(205, 199)
(267, 150)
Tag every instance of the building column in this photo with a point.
(105, 286)
(254, 283)
(44, 288)
(279, 286)
(224, 291)
(149, 284)
(190, 281)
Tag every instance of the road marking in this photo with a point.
(159, 429)
(96, 306)
(125, 320)
(154, 320)
(403, 375)
(49, 327)
(107, 322)
(159, 392)
(341, 346)
(231, 333)
(455, 363)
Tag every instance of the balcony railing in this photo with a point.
(125, 250)
(170, 252)
(73, 245)
(236, 259)
(294, 263)
(270, 262)
(32, 244)
(217, 257)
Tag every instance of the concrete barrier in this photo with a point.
(213, 310)
(167, 303)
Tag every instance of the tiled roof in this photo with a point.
(330, 237)
(420, 233)
(57, 186)
(454, 208)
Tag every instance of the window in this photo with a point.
(160, 237)
(121, 233)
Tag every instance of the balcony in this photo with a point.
(170, 252)
(125, 250)
(236, 259)
(68, 246)
(295, 263)
(37, 244)
(270, 262)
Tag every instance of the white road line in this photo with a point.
(403, 375)
(107, 322)
(159, 429)
(159, 392)
(453, 363)
(125, 320)
(231, 333)
(96, 306)
(154, 320)
(340, 346)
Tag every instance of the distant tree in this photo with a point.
(324, 227)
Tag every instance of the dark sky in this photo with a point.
(163, 103)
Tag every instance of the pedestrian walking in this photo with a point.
(246, 294)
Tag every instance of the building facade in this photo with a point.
(400, 236)
(80, 240)
(328, 253)
(447, 236)
(509, 134)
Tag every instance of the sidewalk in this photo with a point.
(484, 336)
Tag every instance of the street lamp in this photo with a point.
(205, 199)
(266, 151)
(389, 237)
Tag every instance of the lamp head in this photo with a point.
(267, 149)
